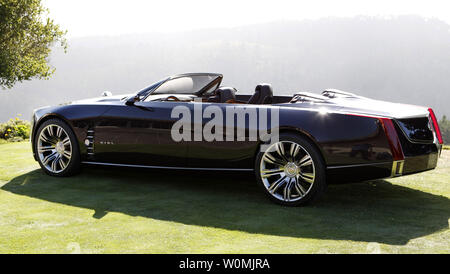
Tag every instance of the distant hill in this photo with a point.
(402, 59)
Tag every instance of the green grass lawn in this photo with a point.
(110, 210)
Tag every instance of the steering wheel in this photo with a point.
(172, 98)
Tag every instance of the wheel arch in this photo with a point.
(38, 124)
(299, 132)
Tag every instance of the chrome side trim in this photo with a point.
(358, 165)
(168, 167)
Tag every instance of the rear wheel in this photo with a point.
(57, 148)
(291, 172)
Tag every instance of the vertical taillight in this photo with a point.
(394, 141)
(437, 130)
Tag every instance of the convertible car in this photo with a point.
(333, 137)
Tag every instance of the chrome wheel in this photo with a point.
(54, 148)
(287, 171)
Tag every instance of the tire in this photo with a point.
(287, 180)
(57, 149)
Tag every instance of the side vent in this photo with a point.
(89, 143)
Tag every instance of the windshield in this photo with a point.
(193, 84)
(185, 85)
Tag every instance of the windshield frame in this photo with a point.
(143, 92)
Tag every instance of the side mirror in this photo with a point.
(130, 101)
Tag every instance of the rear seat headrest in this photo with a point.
(263, 95)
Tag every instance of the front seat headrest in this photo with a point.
(263, 95)
(224, 94)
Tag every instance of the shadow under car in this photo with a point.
(371, 212)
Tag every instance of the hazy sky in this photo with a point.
(111, 17)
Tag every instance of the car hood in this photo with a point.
(103, 99)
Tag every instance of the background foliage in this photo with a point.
(26, 37)
(15, 130)
(444, 126)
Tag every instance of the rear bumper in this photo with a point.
(420, 163)
(373, 171)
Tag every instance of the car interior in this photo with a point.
(228, 95)
(188, 88)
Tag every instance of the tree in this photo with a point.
(26, 37)
(444, 126)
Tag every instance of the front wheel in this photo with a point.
(291, 172)
(57, 148)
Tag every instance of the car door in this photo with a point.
(138, 134)
(232, 154)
